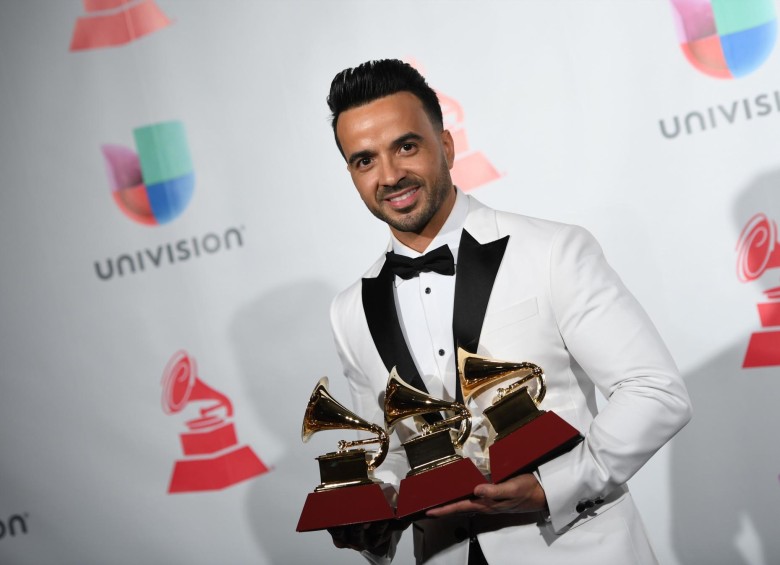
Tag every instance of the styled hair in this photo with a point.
(376, 79)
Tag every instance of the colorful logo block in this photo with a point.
(155, 185)
(726, 38)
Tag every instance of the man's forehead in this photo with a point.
(402, 111)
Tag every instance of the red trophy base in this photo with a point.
(346, 505)
(438, 486)
(543, 438)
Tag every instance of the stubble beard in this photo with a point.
(416, 220)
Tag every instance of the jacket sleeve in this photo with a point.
(612, 339)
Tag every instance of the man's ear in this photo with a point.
(449, 147)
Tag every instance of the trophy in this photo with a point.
(347, 494)
(438, 474)
(526, 437)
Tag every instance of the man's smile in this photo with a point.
(403, 199)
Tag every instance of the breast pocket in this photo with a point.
(513, 314)
(509, 327)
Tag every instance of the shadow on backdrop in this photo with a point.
(725, 463)
(284, 345)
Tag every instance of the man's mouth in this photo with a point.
(404, 199)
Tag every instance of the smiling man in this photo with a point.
(509, 287)
(399, 162)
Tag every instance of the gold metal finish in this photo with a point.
(402, 400)
(325, 413)
(477, 373)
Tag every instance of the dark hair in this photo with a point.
(376, 79)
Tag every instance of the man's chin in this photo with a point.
(407, 225)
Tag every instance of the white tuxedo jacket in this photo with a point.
(539, 291)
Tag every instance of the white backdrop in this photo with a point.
(565, 102)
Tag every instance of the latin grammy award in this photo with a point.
(438, 474)
(526, 437)
(347, 494)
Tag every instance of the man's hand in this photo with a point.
(373, 536)
(522, 493)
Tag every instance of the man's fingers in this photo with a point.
(516, 487)
(468, 506)
(517, 494)
(495, 492)
(368, 535)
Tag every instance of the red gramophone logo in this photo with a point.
(757, 252)
(471, 168)
(108, 23)
(213, 459)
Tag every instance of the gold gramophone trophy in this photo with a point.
(526, 437)
(438, 474)
(347, 494)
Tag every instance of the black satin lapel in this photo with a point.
(385, 328)
(477, 268)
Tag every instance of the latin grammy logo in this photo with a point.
(109, 23)
(471, 168)
(213, 459)
(758, 252)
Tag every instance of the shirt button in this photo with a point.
(427, 290)
(441, 353)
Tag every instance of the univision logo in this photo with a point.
(155, 185)
(13, 526)
(179, 251)
(726, 38)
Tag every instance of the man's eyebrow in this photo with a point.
(407, 137)
(358, 155)
(397, 142)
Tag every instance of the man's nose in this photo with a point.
(390, 172)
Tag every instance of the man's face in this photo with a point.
(399, 163)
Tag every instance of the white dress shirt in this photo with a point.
(425, 304)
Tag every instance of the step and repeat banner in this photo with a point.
(175, 219)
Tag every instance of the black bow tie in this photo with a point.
(439, 260)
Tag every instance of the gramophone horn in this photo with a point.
(477, 373)
(402, 400)
(325, 413)
(181, 385)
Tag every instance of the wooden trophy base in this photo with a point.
(540, 440)
(347, 505)
(438, 486)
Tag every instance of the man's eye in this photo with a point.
(364, 162)
(406, 147)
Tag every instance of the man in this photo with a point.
(522, 289)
